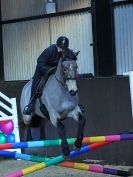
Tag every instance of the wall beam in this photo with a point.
(1, 50)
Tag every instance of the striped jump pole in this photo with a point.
(95, 168)
(33, 158)
(80, 166)
(86, 140)
(50, 162)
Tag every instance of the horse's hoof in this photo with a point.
(66, 152)
(65, 149)
(78, 144)
(66, 157)
(75, 148)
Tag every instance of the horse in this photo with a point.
(61, 100)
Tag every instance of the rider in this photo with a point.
(49, 58)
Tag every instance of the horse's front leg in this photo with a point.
(62, 133)
(80, 134)
(42, 129)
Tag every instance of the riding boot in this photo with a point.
(35, 89)
(30, 107)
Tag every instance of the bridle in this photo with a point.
(63, 75)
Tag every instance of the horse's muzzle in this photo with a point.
(72, 92)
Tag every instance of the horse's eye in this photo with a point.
(64, 69)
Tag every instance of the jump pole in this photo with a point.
(95, 168)
(33, 158)
(80, 166)
(86, 140)
(50, 162)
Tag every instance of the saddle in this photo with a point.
(43, 81)
(40, 88)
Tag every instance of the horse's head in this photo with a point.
(69, 73)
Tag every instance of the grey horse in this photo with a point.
(60, 97)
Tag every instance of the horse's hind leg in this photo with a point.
(38, 122)
(62, 133)
(81, 124)
(28, 133)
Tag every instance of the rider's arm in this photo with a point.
(42, 61)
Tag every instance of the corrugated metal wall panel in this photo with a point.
(13, 9)
(72, 4)
(24, 41)
(78, 28)
(123, 17)
(22, 44)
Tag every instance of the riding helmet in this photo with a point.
(62, 42)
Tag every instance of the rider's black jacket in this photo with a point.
(49, 58)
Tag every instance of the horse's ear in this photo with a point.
(76, 53)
